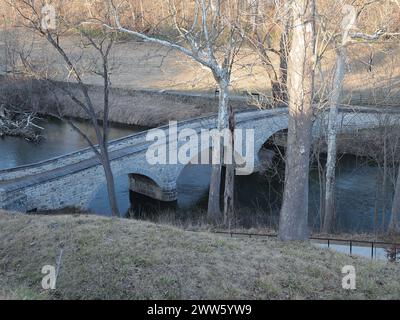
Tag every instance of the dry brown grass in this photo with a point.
(143, 65)
(147, 66)
(126, 259)
(133, 107)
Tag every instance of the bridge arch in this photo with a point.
(144, 179)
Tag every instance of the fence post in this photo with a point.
(372, 250)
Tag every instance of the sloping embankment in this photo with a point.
(126, 259)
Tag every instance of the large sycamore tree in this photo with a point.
(301, 65)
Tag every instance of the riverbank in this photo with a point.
(145, 108)
(116, 258)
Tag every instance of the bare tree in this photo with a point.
(212, 36)
(261, 40)
(230, 174)
(346, 38)
(31, 14)
(333, 103)
(293, 223)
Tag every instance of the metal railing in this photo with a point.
(394, 247)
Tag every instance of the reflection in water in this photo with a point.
(258, 197)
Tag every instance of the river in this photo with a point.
(257, 196)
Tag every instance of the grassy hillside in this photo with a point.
(105, 258)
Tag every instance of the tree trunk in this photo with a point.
(229, 208)
(111, 191)
(112, 196)
(321, 182)
(214, 210)
(394, 221)
(376, 202)
(334, 100)
(384, 197)
(294, 212)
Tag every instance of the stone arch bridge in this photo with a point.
(72, 180)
